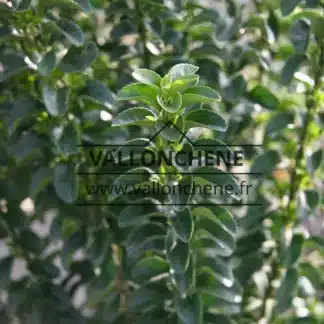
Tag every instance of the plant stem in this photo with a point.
(294, 181)
(142, 33)
(299, 156)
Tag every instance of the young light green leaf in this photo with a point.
(56, 101)
(65, 182)
(183, 224)
(200, 94)
(134, 116)
(182, 69)
(147, 76)
(71, 31)
(205, 118)
(264, 97)
(184, 83)
(173, 106)
(140, 92)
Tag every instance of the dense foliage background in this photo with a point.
(61, 64)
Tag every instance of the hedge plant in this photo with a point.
(83, 82)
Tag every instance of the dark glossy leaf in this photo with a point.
(183, 224)
(181, 192)
(295, 249)
(78, 59)
(84, 4)
(98, 92)
(205, 118)
(56, 101)
(288, 6)
(65, 184)
(71, 31)
(264, 97)
(291, 66)
(265, 163)
(315, 160)
(279, 122)
(190, 309)
(47, 64)
(300, 34)
(149, 267)
(11, 64)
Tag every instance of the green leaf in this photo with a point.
(98, 92)
(84, 4)
(211, 227)
(190, 309)
(186, 282)
(215, 305)
(67, 139)
(40, 178)
(182, 69)
(291, 66)
(43, 268)
(220, 289)
(295, 249)
(147, 296)
(78, 59)
(139, 213)
(30, 241)
(286, 291)
(149, 267)
(181, 193)
(263, 97)
(265, 163)
(47, 64)
(288, 6)
(228, 184)
(21, 5)
(300, 34)
(64, 181)
(5, 271)
(147, 76)
(183, 224)
(56, 101)
(11, 64)
(170, 131)
(130, 181)
(199, 94)
(178, 253)
(205, 118)
(140, 92)
(173, 106)
(217, 214)
(315, 160)
(218, 268)
(134, 116)
(71, 31)
(184, 83)
(310, 199)
(279, 122)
